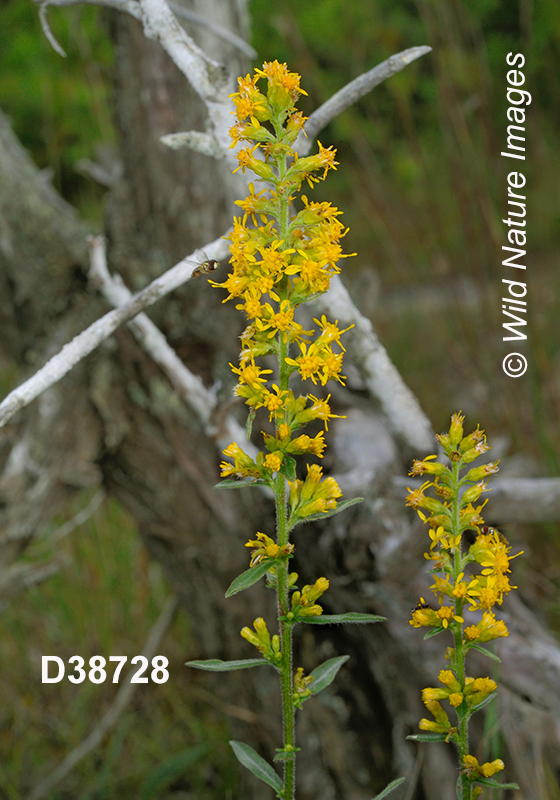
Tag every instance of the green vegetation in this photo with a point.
(104, 602)
(423, 190)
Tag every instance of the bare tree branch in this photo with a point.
(511, 499)
(220, 32)
(209, 79)
(204, 143)
(189, 386)
(86, 342)
(382, 378)
(47, 31)
(133, 7)
(352, 92)
(398, 403)
(123, 698)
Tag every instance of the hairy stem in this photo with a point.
(285, 627)
(463, 786)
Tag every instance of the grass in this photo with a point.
(104, 602)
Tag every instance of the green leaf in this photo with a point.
(481, 705)
(435, 632)
(495, 784)
(169, 770)
(217, 665)
(249, 424)
(389, 788)
(486, 652)
(258, 766)
(324, 514)
(355, 617)
(326, 673)
(289, 468)
(240, 483)
(428, 737)
(286, 755)
(249, 577)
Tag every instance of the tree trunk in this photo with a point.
(116, 420)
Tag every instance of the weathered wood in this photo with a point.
(117, 420)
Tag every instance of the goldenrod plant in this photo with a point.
(280, 259)
(470, 566)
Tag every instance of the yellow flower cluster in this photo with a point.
(304, 603)
(281, 258)
(261, 639)
(266, 549)
(301, 684)
(473, 576)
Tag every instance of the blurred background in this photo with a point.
(423, 189)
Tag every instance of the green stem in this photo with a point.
(464, 785)
(283, 596)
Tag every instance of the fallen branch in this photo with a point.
(352, 92)
(218, 30)
(123, 698)
(382, 378)
(511, 499)
(189, 386)
(209, 79)
(85, 342)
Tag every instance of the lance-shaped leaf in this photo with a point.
(389, 788)
(217, 665)
(428, 737)
(479, 706)
(486, 652)
(324, 514)
(249, 577)
(258, 766)
(326, 673)
(351, 617)
(496, 784)
(240, 483)
(435, 632)
(250, 420)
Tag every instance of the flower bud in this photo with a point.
(456, 429)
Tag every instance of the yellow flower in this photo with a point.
(305, 444)
(304, 602)
(427, 467)
(456, 428)
(473, 769)
(274, 402)
(273, 461)
(260, 638)
(487, 629)
(301, 683)
(423, 616)
(266, 548)
(243, 465)
(313, 496)
(446, 614)
(478, 689)
(441, 723)
(319, 409)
